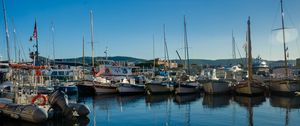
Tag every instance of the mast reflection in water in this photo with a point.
(183, 110)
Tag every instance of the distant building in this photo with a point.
(298, 63)
(280, 72)
(170, 64)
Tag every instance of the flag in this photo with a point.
(34, 34)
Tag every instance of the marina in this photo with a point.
(170, 87)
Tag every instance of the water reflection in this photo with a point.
(128, 100)
(157, 99)
(249, 103)
(216, 101)
(186, 99)
(287, 103)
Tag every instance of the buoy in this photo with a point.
(39, 96)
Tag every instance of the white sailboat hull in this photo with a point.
(216, 87)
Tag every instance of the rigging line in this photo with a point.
(289, 17)
(21, 47)
(17, 43)
(297, 45)
(270, 48)
(276, 16)
(239, 52)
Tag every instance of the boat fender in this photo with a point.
(15, 116)
(45, 99)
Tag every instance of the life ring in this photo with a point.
(40, 96)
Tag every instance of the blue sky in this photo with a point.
(126, 27)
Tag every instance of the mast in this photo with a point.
(166, 48)
(19, 56)
(92, 37)
(15, 40)
(249, 52)
(186, 46)
(83, 50)
(53, 44)
(283, 39)
(106, 51)
(6, 31)
(233, 46)
(83, 58)
(37, 43)
(153, 40)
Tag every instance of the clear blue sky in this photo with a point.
(126, 26)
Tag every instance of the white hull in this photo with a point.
(130, 88)
(215, 87)
(105, 89)
(285, 86)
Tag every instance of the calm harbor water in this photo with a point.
(193, 110)
(187, 110)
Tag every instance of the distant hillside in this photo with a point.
(225, 62)
(218, 62)
(88, 60)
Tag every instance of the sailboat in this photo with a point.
(161, 83)
(187, 83)
(249, 86)
(97, 85)
(286, 85)
(216, 85)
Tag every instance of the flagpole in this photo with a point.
(37, 44)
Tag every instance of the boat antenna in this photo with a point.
(6, 31)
